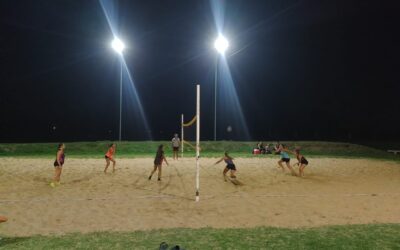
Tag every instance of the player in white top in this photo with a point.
(176, 143)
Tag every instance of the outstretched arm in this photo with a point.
(289, 151)
(219, 161)
(165, 159)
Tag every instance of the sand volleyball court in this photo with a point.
(334, 191)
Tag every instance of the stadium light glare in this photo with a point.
(118, 45)
(221, 44)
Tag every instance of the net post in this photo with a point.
(197, 142)
(182, 138)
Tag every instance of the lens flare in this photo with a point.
(221, 44)
(118, 45)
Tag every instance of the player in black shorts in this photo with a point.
(176, 143)
(158, 160)
(302, 161)
(58, 164)
(229, 165)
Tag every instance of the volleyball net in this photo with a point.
(186, 126)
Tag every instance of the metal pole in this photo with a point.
(215, 97)
(198, 143)
(120, 101)
(182, 135)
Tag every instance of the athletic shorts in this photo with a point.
(285, 159)
(56, 164)
(175, 149)
(304, 161)
(106, 157)
(231, 166)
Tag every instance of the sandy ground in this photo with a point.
(334, 191)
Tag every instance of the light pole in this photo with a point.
(118, 47)
(221, 45)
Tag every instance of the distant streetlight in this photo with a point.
(119, 47)
(221, 44)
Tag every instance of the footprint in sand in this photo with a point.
(80, 180)
(40, 179)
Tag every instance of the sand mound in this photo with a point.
(334, 191)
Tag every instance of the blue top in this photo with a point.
(285, 155)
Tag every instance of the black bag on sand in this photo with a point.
(176, 248)
(164, 246)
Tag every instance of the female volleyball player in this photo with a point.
(109, 156)
(160, 157)
(229, 165)
(284, 158)
(302, 161)
(58, 164)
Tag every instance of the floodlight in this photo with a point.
(221, 44)
(118, 45)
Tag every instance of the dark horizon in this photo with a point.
(297, 70)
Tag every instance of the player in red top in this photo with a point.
(110, 157)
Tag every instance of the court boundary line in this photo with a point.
(172, 196)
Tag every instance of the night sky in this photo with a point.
(301, 70)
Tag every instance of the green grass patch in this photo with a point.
(372, 236)
(133, 149)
